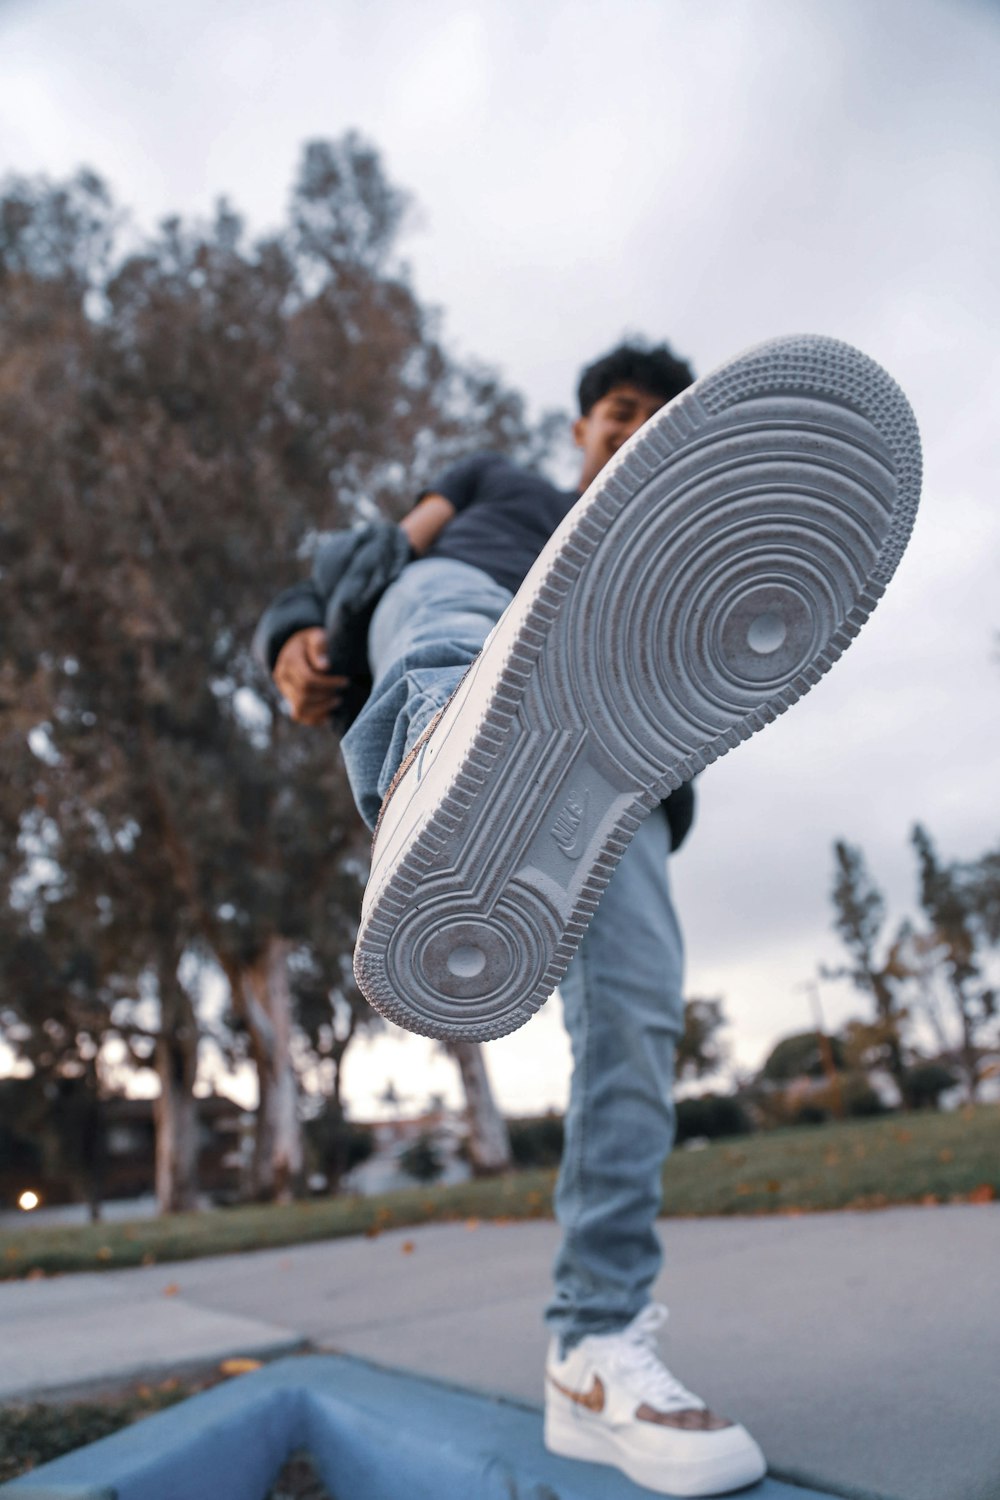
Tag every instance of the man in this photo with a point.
(516, 748)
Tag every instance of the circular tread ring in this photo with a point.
(661, 661)
(800, 604)
(466, 975)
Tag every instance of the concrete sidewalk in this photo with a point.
(863, 1350)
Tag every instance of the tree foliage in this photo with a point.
(800, 1056)
(878, 969)
(178, 423)
(979, 882)
(699, 1049)
(958, 935)
(938, 968)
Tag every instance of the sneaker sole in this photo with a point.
(732, 1467)
(715, 569)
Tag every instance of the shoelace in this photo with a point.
(639, 1356)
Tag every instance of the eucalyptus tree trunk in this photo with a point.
(489, 1142)
(265, 1003)
(175, 1111)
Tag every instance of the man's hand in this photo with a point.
(301, 672)
(301, 676)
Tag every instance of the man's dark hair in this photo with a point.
(655, 370)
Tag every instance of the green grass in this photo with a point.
(37, 1432)
(862, 1164)
(96, 1247)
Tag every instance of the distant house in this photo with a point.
(34, 1143)
(224, 1133)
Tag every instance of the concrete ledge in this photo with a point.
(374, 1435)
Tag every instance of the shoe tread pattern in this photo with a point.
(783, 486)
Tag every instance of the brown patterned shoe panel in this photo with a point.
(694, 1419)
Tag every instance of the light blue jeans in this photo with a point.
(622, 996)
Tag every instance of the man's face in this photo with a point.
(609, 423)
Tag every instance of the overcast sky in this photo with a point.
(709, 171)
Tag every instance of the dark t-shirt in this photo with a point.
(505, 515)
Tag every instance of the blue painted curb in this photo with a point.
(374, 1434)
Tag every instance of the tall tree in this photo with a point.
(488, 1140)
(699, 1050)
(331, 1012)
(979, 880)
(176, 427)
(878, 969)
(948, 902)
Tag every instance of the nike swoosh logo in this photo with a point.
(567, 830)
(593, 1399)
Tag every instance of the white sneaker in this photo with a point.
(613, 1401)
(715, 569)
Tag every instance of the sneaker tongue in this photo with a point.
(663, 1391)
(659, 1387)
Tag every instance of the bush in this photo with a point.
(422, 1161)
(811, 1114)
(800, 1056)
(335, 1145)
(537, 1142)
(712, 1116)
(861, 1101)
(852, 1093)
(926, 1082)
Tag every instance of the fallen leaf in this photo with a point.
(773, 1185)
(929, 1200)
(407, 1247)
(104, 1253)
(171, 1289)
(371, 1233)
(149, 1259)
(36, 1274)
(240, 1365)
(984, 1193)
(743, 1188)
(472, 1223)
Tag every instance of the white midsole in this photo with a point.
(739, 1465)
